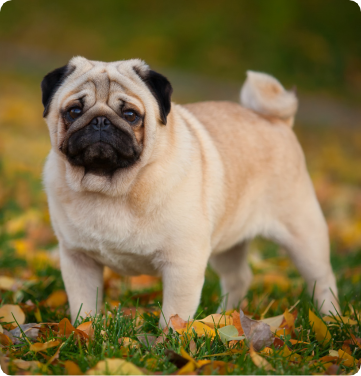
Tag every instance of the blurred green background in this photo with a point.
(204, 47)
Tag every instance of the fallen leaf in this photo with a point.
(147, 339)
(222, 368)
(201, 329)
(72, 368)
(237, 322)
(322, 334)
(8, 310)
(87, 328)
(56, 299)
(217, 320)
(177, 323)
(114, 366)
(36, 347)
(26, 365)
(192, 347)
(5, 340)
(1, 329)
(187, 369)
(274, 322)
(31, 332)
(229, 333)
(7, 283)
(333, 369)
(353, 341)
(348, 360)
(257, 332)
(126, 341)
(66, 328)
(339, 319)
(259, 361)
(178, 360)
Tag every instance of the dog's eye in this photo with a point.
(130, 116)
(74, 113)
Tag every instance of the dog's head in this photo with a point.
(103, 116)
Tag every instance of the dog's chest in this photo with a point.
(109, 232)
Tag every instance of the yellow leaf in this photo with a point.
(126, 341)
(320, 328)
(8, 310)
(114, 367)
(56, 299)
(202, 329)
(36, 347)
(259, 361)
(7, 283)
(290, 320)
(217, 320)
(342, 319)
(72, 368)
(348, 360)
(185, 355)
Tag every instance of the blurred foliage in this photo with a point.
(313, 43)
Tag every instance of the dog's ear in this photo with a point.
(161, 88)
(50, 84)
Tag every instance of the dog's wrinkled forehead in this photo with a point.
(92, 81)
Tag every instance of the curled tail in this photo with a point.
(264, 94)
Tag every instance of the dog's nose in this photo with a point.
(100, 123)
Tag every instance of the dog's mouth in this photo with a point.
(102, 150)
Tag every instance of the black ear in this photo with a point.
(50, 84)
(161, 89)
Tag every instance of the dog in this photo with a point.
(145, 186)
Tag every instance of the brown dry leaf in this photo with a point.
(192, 347)
(217, 320)
(237, 322)
(72, 368)
(353, 341)
(177, 323)
(36, 347)
(5, 340)
(1, 329)
(87, 328)
(321, 331)
(8, 310)
(259, 361)
(56, 299)
(114, 367)
(333, 369)
(257, 332)
(66, 328)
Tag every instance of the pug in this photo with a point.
(146, 186)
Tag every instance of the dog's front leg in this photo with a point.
(83, 279)
(182, 287)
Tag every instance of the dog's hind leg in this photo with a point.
(303, 232)
(234, 272)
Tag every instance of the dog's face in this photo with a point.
(103, 116)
